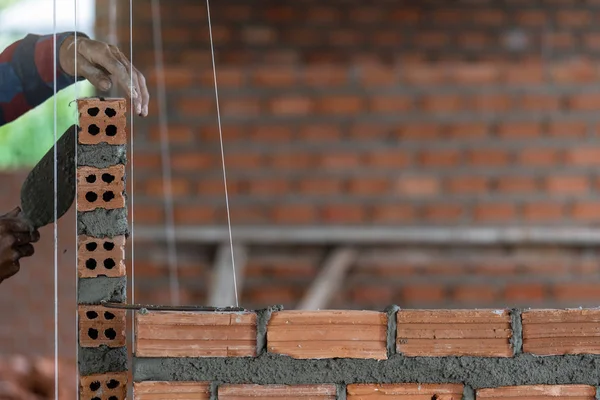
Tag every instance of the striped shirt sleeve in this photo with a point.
(27, 74)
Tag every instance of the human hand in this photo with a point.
(104, 65)
(16, 238)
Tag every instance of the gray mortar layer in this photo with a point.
(97, 290)
(392, 327)
(477, 372)
(102, 223)
(101, 155)
(516, 339)
(102, 360)
(263, 317)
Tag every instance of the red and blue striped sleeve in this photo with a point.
(27, 74)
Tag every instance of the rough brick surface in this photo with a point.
(101, 257)
(104, 386)
(557, 332)
(328, 334)
(484, 333)
(541, 392)
(192, 334)
(100, 188)
(406, 391)
(102, 121)
(101, 326)
(292, 392)
(171, 390)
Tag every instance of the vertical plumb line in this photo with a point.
(392, 329)
(341, 391)
(468, 393)
(516, 339)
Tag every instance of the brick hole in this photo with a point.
(113, 398)
(110, 333)
(108, 196)
(108, 178)
(111, 130)
(108, 316)
(92, 112)
(93, 129)
(91, 246)
(110, 112)
(91, 197)
(93, 333)
(94, 386)
(91, 314)
(91, 264)
(113, 384)
(91, 178)
(96, 398)
(109, 263)
(108, 246)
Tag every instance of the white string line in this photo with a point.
(212, 50)
(131, 172)
(54, 67)
(76, 189)
(165, 154)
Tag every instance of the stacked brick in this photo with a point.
(102, 232)
(396, 354)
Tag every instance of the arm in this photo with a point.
(27, 74)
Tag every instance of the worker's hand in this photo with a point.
(16, 238)
(105, 65)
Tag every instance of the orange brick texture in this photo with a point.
(101, 210)
(368, 355)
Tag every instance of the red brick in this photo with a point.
(292, 160)
(583, 156)
(543, 211)
(271, 133)
(567, 128)
(193, 161)
(573, 71)
(393, 213)
(560, 40)
(174, 77)
(196, 106)
(586, 211)
(539, 157)
(175, 134)
(343, 213)
(474, 39)
(525, 292)
(443, 103)
(239, 106)
(179, 187)
(497, 212)
(243, 214)
(517, 183)
(475, 74)
(379, 75)
(227, 77)
(488, 157)
(319, 133)
(216, 186)
(258, 35)
(291, 105)
(584, 102)
(490, 102)
(268, 187)
(422, 294)
(279, 13)
(340, 160)
(323, 14)
(320, 186)
(230, 133)
(582, 392)
(275, 76)
(443, 212)
(291, 392)
(535, 18)
(567, 184)
(489, 17)
(440, 158)
(468, 184)
(148, 214)
(539, 102)
(372, 295)
(591, 40)
(576, 291)
(345, 37)
(243, 161)
(574, 18)
(369, 186)
(431, 39)
(424, 74)
(340, 104)
(324, 75)
(475, 294)
(447, 16)
(370, 132)
(527, 73)
(145, 161)
(388, 158)
(406, 15)
(467, 130)
(194, 214)
(295, 213)
(281, 294)
(419, 131)
(418, 186)
(391, 104)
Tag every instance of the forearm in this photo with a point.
(27, 76)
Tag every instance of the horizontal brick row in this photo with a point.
(364, 391)
(364, 334)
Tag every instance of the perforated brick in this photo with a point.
(102, 121)
(100, 188)
(101, 326)
(101, 257)
(112, 386)
(171, 390)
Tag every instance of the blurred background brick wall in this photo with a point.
(478, 113)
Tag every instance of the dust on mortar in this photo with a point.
(102, 223)
(262, 321)
(101, 155)
(392, 328)
(102, 288)
(516, 339)
(102, 360)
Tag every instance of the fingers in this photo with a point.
(26, 250)
(13, 214)
(14, 225)
(95, 76)
(10, 268)
(25, 238)
(139, 82)
(137, 103)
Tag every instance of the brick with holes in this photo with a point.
(102, 121)
(100, 188)
(101, 326)
(111, 386)
(101, 257)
